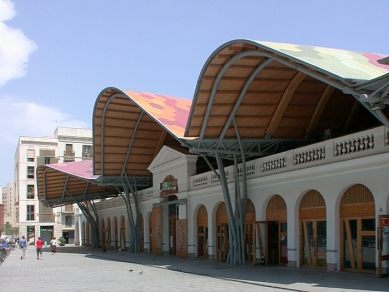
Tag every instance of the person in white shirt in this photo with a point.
(53, 245)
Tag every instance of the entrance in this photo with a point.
(173, 217)
(123, 234)
(358, 230)
(314, 244)
(383, 246)
(222, 239)
(202, 232)
(313, 231)
(277, 236)
(248, 232)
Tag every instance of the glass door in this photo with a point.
(359, 244)
(259, 242)
(202, 237)
(283, 243)
(222, 247)
(314, 243)
(383, 246)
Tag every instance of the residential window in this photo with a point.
(69, 150)
(68, 220)
(30, 172)
(30, 192)
(87, 150)
(30, 212)
(30, 155)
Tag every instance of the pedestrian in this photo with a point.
(5, 246)
(22, 247)
(39, 245)
(53, 245)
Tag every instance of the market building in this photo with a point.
(301, 134)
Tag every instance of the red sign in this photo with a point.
(385, 222)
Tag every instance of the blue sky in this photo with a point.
(57, 56)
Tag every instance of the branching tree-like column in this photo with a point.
(93, 221)
(133, 219)
(236, 216)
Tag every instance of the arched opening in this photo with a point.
(357, 230)
(83, 235)
(141, 234)
(313, 231)
(277, 237)
(107, 234)
(248, 231)
(102, 234)
(123, 234)
(87, 234)
(173, 217)
(116, 231)
(222, 240)
(202, 232)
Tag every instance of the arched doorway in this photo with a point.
(102, 234)
(87, 234)
(83, 235)
(173, 217)
(222, 240)
(116, 231)
(151, 232)
(313, 231)
(248, 231)
(107, 234)
(358, 230)
(123, 234)
(202, 232)
(141, 235)
(277, 237)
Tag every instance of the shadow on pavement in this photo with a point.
(292, 279)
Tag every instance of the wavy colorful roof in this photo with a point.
(63, 183)
(171, 112)
(131, 127)
(342, 63)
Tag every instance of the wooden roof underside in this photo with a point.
(281, 102)
(121, 127)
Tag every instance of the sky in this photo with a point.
(57, 56)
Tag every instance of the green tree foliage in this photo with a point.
(7, 229)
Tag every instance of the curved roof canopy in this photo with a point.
(130, 128)
(65, 183)
(264, 97)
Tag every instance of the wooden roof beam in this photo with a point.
(284, 103)
(325, 97)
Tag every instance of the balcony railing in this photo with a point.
(69, 153)
(362, 144)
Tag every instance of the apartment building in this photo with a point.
(11, 207)
(36, 219)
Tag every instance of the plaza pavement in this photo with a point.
(77, 268)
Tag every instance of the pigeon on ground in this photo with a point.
(104, 250)
(130, 270)
(141, 272)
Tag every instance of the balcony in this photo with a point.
(69, 153)
(87, 155)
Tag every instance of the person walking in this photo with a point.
(53, 245)
(39, 246)
(22, 247)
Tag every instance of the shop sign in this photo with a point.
(169, 188)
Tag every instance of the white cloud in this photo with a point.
(32, 120)
(15, 47)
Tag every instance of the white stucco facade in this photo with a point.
(330, 168)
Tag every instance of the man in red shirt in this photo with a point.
(39, 245)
